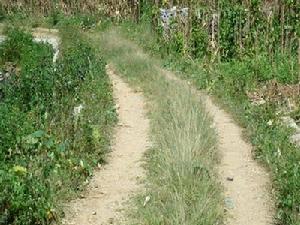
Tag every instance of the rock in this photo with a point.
(295, 139)
(81, 196)
(270, 122)
(94, 213)
(229, 178)
(288, 121)
(291, 123)
(147, 199)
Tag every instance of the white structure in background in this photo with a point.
(51, 40)
(167, 16)
(170, 16)
(48, 39)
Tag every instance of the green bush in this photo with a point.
(46, 150)
(15, 46)
(199, 42)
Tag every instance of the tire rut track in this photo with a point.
(117, 182)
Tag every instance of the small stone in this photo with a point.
(94, 213)
(111, 220)
(295, 139)
(290, 122)
(147, 199)
(229, 178)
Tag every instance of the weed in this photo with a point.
(47, 150)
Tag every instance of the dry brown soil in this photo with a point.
(113, 185)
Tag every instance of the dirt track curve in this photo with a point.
(248, 199)
(247, 185)
(247, 192)
(113, 185)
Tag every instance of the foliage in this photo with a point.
(47, 148)
(16, 46)
(237, 28)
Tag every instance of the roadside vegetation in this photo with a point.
(256, 83)
(55, 124)
(244, 53)
(184, 155)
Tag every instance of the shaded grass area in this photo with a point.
(181, 184)
(228, 82)
(55, 122)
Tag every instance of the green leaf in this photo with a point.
(38, 134)
(50, 143)
(61, 147)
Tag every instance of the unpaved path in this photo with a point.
(247, 185)
(114, 184)
(248, 198)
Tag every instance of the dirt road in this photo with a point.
(118, 180)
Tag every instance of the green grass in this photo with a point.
(228, 82)
(181, 177)
(47, 152)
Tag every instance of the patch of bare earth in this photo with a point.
(247, 184)
(248, 199)
(113, 185)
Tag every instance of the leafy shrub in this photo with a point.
(46, 151)
(199, 42)
(15, 46)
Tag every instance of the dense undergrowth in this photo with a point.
(182, 186)
(230, 80)
(55, 123)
